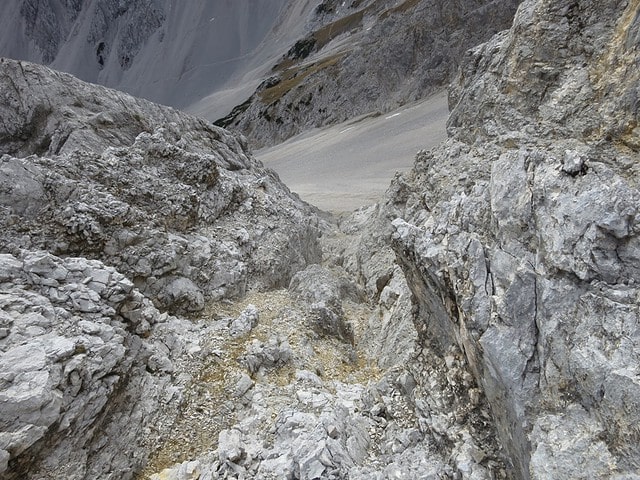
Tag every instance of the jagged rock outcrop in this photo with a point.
(363, 57)
(177, 205)
(307, 406)
(519, 236)
(114, 212)
(86, 362)
(117, 212)
(517, 242)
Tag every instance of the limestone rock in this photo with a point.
(245, 322)
(498, 282)
(229, 446)
(261, 356)
(324, 291)
(72, 362)
(114, 210)
(176, 204)
(519, 237)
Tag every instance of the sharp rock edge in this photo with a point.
(519, 236)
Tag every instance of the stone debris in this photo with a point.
(64, 356)
(480, 323)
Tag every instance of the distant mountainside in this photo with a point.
(313, 62)
(364, 56)
(173, 53)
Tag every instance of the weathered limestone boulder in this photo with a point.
(323, 291)
(82, 352)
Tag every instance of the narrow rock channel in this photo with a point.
(293, 388)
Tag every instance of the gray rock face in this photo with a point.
(574, 58)
(364, 57)
(113, 208)
(519, 236)
(500, 277)
(82, 351)
(176, 204)
(122, 43)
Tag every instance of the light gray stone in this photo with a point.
(243, 386)
(247, 320)
(230, 446)
(196, 228)
(520, 262)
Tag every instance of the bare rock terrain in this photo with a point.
(170, 200)
(362, 57)
(124, 44)
(519, 236)
(133, 234)
(171, 311)
(112, 208)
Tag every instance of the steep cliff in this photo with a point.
(363, 57)
(519, 236)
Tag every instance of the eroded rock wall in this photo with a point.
(519, 236)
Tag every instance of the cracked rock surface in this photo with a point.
(117, 213)
(169, 310)
(178, 205)
(519, 236)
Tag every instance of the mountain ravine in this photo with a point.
(170, 310)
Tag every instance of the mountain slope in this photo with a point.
(129, 231)
(165, 51)
(366, 56)
(331, 60)
(117, 213)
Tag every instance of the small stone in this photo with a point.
(159, 363)
(573, 163)
(229, 446)
(247, 320)
(243, 386)
(332, 432)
